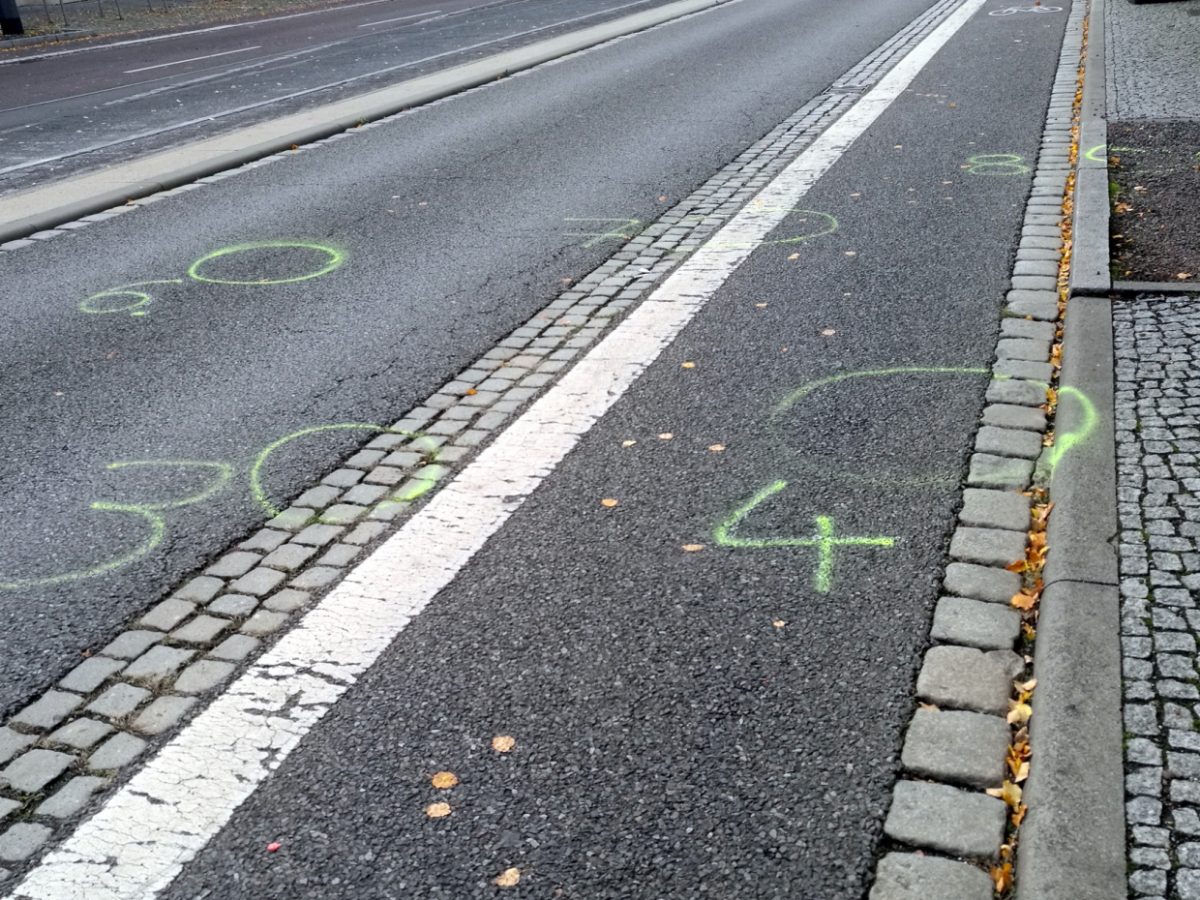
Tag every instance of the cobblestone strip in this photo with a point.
(86, 732)
(946, 831)
(1157, 354)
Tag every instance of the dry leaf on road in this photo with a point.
(444, 780)
(502, 743)
(507, 878)
(437, 810)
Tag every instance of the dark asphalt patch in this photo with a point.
(1154, 167)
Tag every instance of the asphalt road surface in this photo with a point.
(674, 739)
(64, 112)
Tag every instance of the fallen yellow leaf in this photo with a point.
(688, 365)
(779, 623)
(502, 743)
(1024, 601)
(507, 878)
(1018, 712)
(471, 392)
(437, 810)
(444, 780)
(692, 548)
(716, 448)
(1002, 877)
(665, 436)
(1018, 815)
(609, 502)
(1009, 793)
(628, 443)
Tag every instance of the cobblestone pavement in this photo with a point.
(1151, 50)
(1157, 349)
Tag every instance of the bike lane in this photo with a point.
(707, 679)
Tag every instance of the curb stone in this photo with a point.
(957, 672)
(261, 603)
(1073, 839)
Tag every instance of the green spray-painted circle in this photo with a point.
(334, 260)
(823, 467)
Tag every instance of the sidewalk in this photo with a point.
(1139, 147)
(1154, 140)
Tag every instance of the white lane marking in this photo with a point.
(399, 19)
(136, 844)
(180, 62)
(178, 34)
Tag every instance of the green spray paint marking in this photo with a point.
(148, 512)
(826, 224)
(627, 229)
(821, 467)
(334, 260)
(825, 540)
(805, 389)
(1064, 443)
(421, 483)
(1099, 153)
(991, 164)
(135, 308)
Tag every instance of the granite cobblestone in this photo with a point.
(1157, 403)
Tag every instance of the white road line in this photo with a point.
(180, 62)
(136, 844)
(399, 18)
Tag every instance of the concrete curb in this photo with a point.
(1083, 484)
(1155, 287)
(1073, 840)
(58, 37)
(46, 207)
(1090, 273)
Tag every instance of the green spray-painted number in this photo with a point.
(152, 513)
(135, 302)
(97, 303)
(149, 513)
(421, 483)
(825, 541)
(996, 164)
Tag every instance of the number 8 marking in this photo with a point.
(997, 164)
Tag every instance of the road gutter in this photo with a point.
(46, 207)
(1073, 844)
